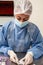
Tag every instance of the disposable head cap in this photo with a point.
(22, 7)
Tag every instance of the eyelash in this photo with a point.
(25, 20)
(19, 18)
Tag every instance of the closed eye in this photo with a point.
(19, 18)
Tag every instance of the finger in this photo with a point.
(26, 61)
(16, 59)
(12, 59)
(23, 59)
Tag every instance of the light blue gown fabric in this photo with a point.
(25, 39)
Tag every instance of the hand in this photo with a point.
(13, 56)
(28, 59)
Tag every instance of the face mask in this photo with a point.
(21, 24)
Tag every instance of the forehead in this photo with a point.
(22, 15)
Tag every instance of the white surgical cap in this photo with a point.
(22, 7)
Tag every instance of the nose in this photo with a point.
(22, 20)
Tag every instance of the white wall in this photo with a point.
(37, 14)
(36, 17)
(4, 19)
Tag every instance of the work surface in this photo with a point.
(20, 55)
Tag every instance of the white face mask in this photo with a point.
(21, 24)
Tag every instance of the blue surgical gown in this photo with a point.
(25, 39)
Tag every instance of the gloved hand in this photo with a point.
(13, 56)
(28, 59)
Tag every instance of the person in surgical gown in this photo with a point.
(20, 35)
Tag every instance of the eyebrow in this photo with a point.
(20, 17)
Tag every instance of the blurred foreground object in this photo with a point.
(4, 60)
